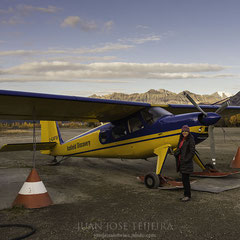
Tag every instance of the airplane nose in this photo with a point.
(210, 119)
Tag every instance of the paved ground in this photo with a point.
(101, 198)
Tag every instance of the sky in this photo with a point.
(77, 47)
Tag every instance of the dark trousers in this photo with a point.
(186, 184)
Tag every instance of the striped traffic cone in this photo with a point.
(236, 160)
(33, 193)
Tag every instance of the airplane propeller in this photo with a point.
(194, 103)
(223, 106)
(211, 126)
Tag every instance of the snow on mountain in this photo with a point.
(224, 94)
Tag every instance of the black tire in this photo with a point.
(209, 166)
(151, 180)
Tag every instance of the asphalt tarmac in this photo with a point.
(102, 199)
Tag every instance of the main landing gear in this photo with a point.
(151, 180)
(154, 179)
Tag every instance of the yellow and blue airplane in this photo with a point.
(132, 129)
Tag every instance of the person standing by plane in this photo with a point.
(184, 159)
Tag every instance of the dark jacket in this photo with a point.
(187, 153)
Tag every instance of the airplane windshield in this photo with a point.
(152, 114)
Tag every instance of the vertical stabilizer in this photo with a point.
(50, 133)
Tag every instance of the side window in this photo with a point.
(119, 130)
(147, 117)
(134, 124)
(103, 136)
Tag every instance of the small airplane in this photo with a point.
(131, 130)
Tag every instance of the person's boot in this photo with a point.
(185, 199)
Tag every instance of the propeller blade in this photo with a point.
(212, 144)
(194, 103)
(223, 106)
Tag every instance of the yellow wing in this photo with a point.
(36, 106)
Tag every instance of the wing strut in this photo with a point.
(34, 139)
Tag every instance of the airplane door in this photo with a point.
(121, 139)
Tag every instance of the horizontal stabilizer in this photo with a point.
(27, 146)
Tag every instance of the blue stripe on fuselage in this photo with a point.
(59, 134)
(88, 132)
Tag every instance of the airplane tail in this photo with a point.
(50, 133)
(50, 138)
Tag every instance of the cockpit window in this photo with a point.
(135, 124)
(147, 117)
(119, 130)
(103, 136)
(151, 115)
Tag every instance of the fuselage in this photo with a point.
(137, 136)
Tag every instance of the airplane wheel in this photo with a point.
(151, 180)
(209, 166)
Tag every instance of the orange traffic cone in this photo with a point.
(236, 160)
(33, 193)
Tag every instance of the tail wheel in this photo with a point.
(151, 180)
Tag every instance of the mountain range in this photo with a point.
(235, 100)
(163, 96)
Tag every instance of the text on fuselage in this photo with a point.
(78, 145)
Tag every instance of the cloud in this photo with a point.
(142, 27)
(25, 9)
(12, 21)
(30, 8)
(68, 71)
(82, 58)
(76, 21)
(142, 40)
(20, 10)
(16, 53)
(182, 76)
(108, 25)
(74, 51)
(87, 25)
(52, 79)
(156, 67)
(71, 21)
(6, 11)
(109, 47)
